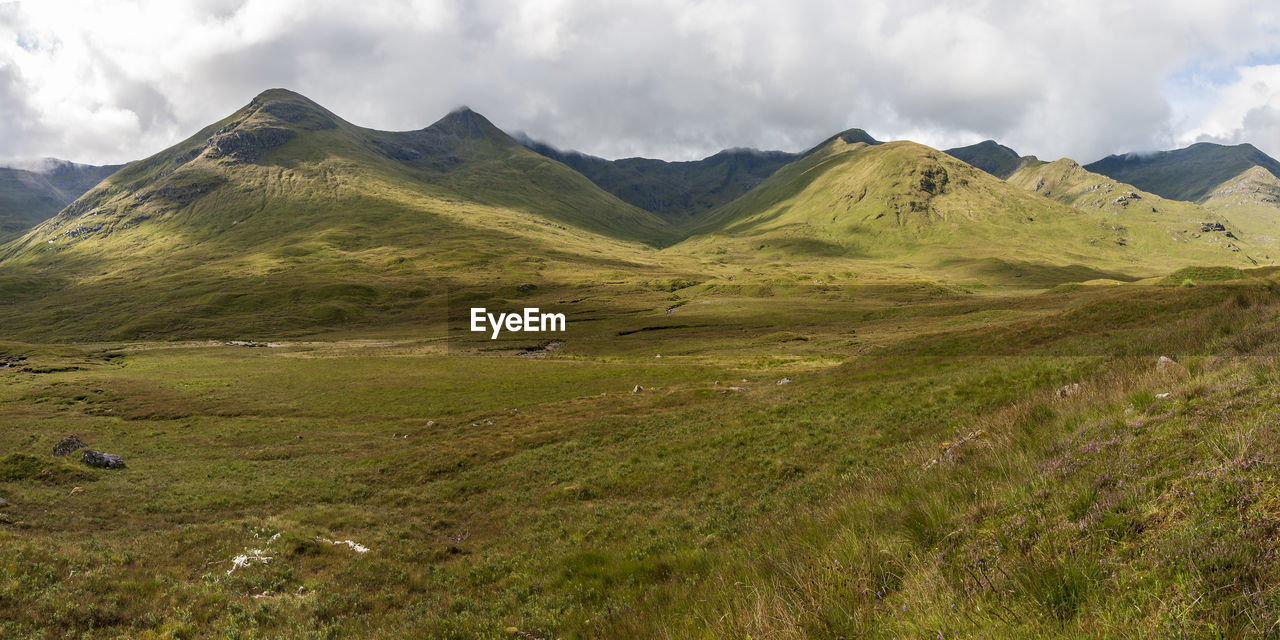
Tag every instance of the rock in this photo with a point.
(1069, 391)
(102, 460)
(784, 381)
(67, 445)
(526, 287)
(4, 503)
(1167, 365)
(737, 388)
(246, 145)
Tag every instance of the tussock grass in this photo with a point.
(899, 474)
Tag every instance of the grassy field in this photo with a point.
(882, 394)
(919, 474)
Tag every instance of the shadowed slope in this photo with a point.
(30, 196)
(1185, 174)
(676, 191)
(990, 156)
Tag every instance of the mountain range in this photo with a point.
(31, 195)
(284, 217)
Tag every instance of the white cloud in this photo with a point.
(98, 81)
(1244, 110)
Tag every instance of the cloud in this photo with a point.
(1244, 109)
(115, 81)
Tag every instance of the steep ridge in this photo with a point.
(284, 215)
(901, 205)
(676, 191)
(1188, 174)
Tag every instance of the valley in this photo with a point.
(869, 389)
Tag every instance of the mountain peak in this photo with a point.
(278, 94)
(292, 110)
(465, 123)
(854, 136)
(990, 156)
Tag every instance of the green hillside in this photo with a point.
(990, 156)
(1067, 182)
(883, 393)
(902, 208)
(676, 191)
(283, 215)
(1252, 201)
(29, 197)
(1190, 174)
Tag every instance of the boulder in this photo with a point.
(102, 460)
(67, 445)
(1167, 365)
(784, 381)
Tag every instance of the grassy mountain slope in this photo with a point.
(1067, 182)
(901, 208)
(30, 196)
(990, 156)
(1185, 174)
(1252, 201)
(676, 191)
(283, 215)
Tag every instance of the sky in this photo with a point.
(105, 82)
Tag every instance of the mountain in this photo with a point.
(990, 156)
(1065, 181)
(675, 191)
(1252, 201)
(31, 195)
(283, 215)
(1188, 174)
(904, 208)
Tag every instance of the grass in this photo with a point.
(893, 478)
(882, 394)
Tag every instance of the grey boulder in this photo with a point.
(67, 445)
(102, 460)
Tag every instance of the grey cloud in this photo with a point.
(684, 80)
